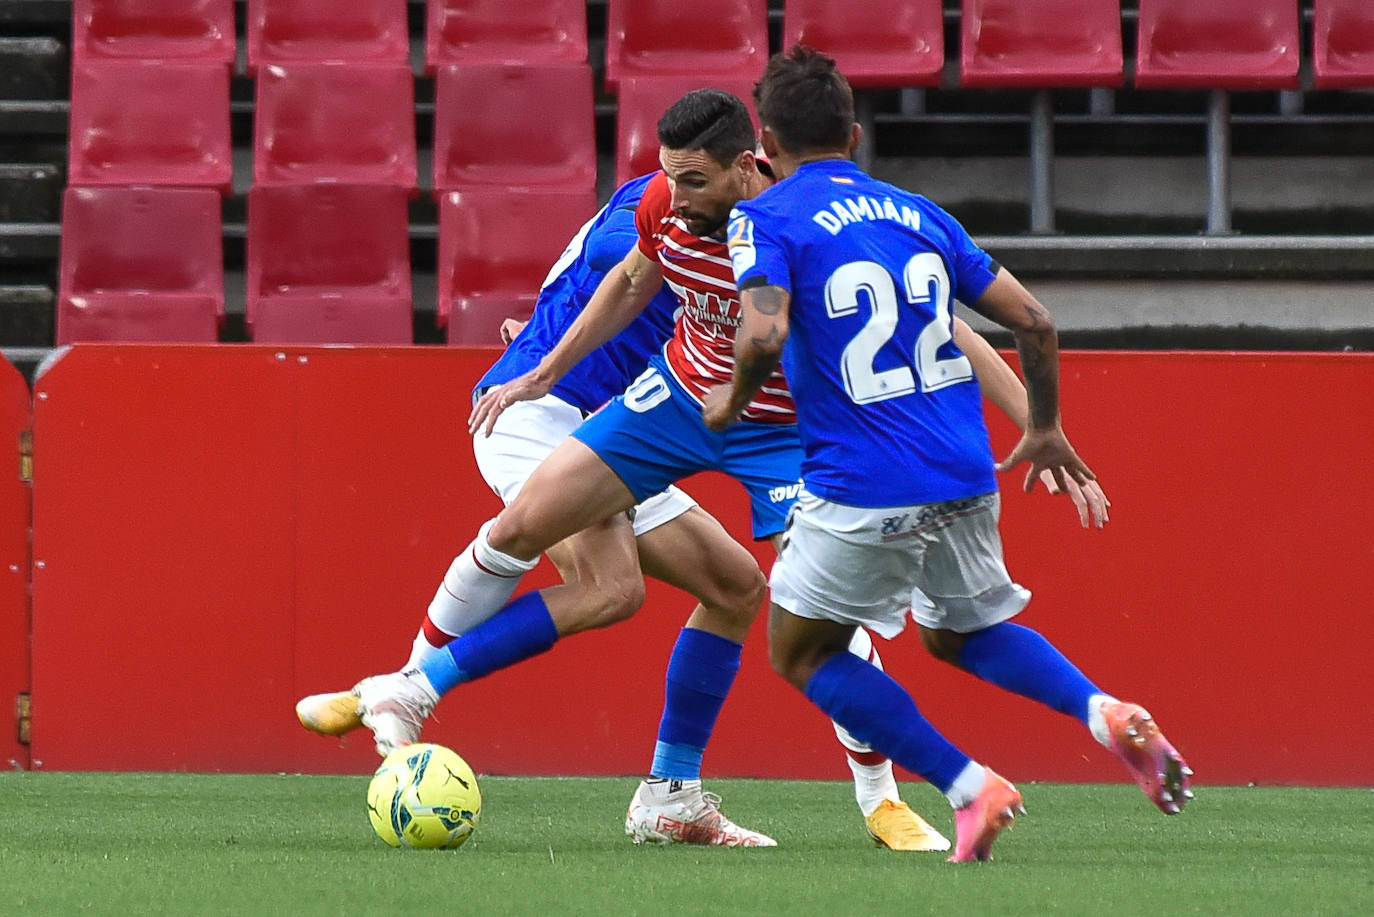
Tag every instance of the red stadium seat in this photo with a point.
(495, 249)
(1220, 44)
(640, 105)
(334, 122)
(149, 122)
(1050, 44)
(712, 39)
(1342, 44)
(328, 264)
(154, 29)
(505, 32)
(877, 43)
(140, 264)
(514, 125)
(281, 31)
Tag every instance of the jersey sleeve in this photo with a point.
(608, 242)
(757, 258)
(973, 268)
(653, 207)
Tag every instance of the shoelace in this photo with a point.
(710, 806)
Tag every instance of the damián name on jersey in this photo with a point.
(853, 209)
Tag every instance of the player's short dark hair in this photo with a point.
(805, 101)
(710, 120)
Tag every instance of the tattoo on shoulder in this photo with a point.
(768, 300)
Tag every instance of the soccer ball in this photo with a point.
(423, 796)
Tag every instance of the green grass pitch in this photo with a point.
(228, 844)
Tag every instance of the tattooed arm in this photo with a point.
(1044, 444)
(758, 348)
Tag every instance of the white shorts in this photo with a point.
(525, 434)
(940, 561)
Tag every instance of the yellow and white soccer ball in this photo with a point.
(424, 796)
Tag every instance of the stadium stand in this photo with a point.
(642, 101)
(140, 264)
(149, 122)
(509, 124)
(1220, 46)
(201, 30)
(1343, 44)
(282, 31)
(334, 122)
(726, 39)
(1130, 193)
(495, 249)
(1054, 44)
(505, 32)
(328, 263)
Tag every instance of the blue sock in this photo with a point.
(1022, 661)
(700, 673)
(876, 710)
(520, 630)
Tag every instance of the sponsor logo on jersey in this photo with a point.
(784, 493)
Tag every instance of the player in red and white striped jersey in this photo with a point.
(701, 353)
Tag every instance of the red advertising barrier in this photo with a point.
(14, 566)
(219, 530)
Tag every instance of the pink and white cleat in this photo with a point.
(1160, 770)
(977, 824)
(678, 812)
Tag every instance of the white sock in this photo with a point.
(966, 786)
(420, 650)
(663, 787)
(478, 584)
(872, 784)
(1097, 723)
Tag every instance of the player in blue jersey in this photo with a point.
(899, 508)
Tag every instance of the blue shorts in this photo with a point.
(653, 436)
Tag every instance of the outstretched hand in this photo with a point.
(1089, 499)
(1048, 450)
(495, 400)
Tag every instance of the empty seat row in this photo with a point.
(167, 122)
(324, 263)
(286, 31)
(879, 42)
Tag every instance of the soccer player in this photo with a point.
(899, 507)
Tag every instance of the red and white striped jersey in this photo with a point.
(701, 352)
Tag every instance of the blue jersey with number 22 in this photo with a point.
(887, 407)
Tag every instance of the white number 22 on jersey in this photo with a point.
(924, 278)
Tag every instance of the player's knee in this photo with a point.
(735, 591)
(746, 593)
(511, 534)
(945, 645)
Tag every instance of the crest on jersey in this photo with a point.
(741, 242)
